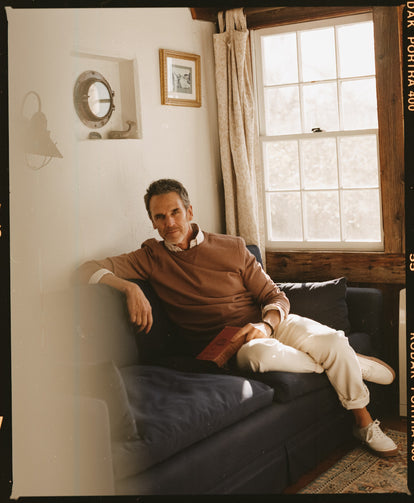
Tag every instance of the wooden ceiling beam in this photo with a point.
(260, 17)
(288, 15)
(204, 13)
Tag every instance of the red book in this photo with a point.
(221, 349)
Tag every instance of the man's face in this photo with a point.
(171, 219)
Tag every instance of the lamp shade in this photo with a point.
(36, 137)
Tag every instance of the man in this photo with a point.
(207, 281)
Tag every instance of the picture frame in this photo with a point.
(180, 77)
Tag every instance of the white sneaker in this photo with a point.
(376, 439)
(375, 370)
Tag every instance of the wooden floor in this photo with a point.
(392, 423)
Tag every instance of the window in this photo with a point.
(319, 134)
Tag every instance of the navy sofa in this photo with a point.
(175, 425)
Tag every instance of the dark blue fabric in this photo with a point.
(366, 314)
(314, 442)
(290, 385)
(234, 459)
(173, 410)
(361, 343)
(160, 340)
(255, 250)
(320, 301)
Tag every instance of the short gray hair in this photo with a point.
(164, 186)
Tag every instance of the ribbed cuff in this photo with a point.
(96, 276)
(272, 307)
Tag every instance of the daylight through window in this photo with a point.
(319, 134)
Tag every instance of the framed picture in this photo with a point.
(180, 78)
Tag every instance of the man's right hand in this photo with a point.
(139, 308)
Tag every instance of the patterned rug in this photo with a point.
(360, 471)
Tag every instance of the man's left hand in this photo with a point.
(252, 331)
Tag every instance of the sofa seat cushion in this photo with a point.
(175, 409)
(290, 385)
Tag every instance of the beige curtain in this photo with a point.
(239, 145)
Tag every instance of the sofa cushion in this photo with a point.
(366, 314)
(321, 301)
(362, 343)
(175, 409)
(290, 385)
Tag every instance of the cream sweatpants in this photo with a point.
(304, 345)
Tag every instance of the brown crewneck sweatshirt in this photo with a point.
(214, 284)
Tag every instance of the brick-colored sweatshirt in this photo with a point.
(214, 284)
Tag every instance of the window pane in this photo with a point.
(280, 59)
(318, 54)
(361, 215)
(358, 160)
(356, 50)
(359, 104)
(321, 188)
(285, 214)
(320, 167)
(320, 107)
(282, 112)
(322, 216)
(281, 165)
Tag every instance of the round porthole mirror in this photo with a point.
(94, 99)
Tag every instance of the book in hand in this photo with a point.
(221, 348)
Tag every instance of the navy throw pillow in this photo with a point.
(320, 301)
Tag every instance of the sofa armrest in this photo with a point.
(365, 313)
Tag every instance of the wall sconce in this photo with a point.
(36, 139)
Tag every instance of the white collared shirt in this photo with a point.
(198, 239)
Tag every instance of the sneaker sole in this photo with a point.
(377, 360)
(383, 454)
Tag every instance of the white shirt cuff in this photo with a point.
(96, 277)
(272, 307)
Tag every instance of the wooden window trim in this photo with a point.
(388, 55)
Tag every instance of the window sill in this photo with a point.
(365, 267)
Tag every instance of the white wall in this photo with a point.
(90, 202)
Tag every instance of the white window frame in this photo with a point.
(259, 86)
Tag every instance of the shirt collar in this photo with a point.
(198, 239)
